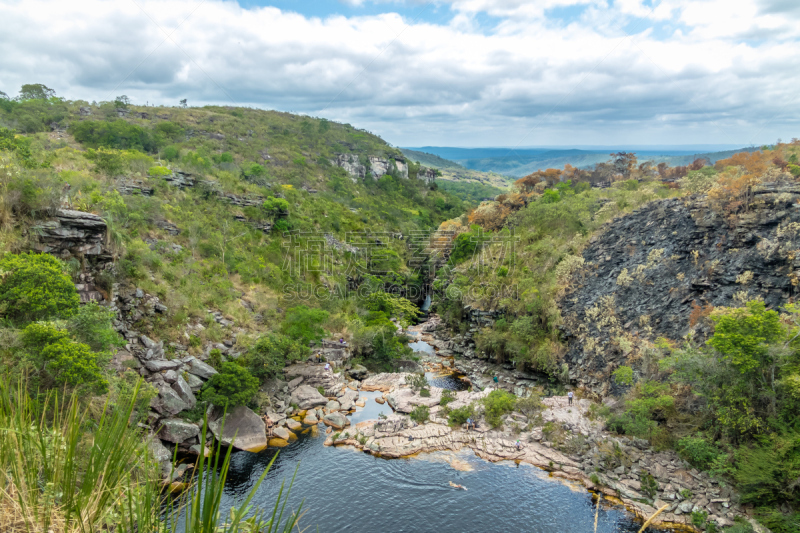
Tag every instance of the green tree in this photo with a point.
(34, 287)
(496, 404)
(743, 336)
(234, 385)
(92, 324)
(272, 352)
(36, 91)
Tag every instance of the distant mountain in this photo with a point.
(452, 171)
(517, 162)
(429, 160)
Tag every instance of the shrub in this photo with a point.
(158, 172)
(530, 406)
(420, 414)
(425, 393)
(624, 375)
(60, 361)
(498, 403)
(304, 325)
(34, 287)
(458, 417)
(272, 352)
(92, 324)
(234, 385)
(649, 484)
(447, 397)
(698, 451)
(416, 381)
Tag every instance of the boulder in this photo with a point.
(176, 430)
(295, 382)
(184, 391)
(335, 420)
(200, 369)
(195, 383)
(281, 433)
(332, 405)
(358, 372)
(292, 424)
(307, 397)
(347, 401)
(310, 419)
(168, 402)
(160, 365)
(243, 429)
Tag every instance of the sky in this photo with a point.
(470, 73)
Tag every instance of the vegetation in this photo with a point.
(420, 414)
(234, 385)
(34, 287)
(458, 417)
(497, 404)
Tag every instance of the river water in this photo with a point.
(351, 491)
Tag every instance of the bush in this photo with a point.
(416, 381)
(272, 352)
(92, 324)
(304, 325)
(623, 375)
(60, 361)
(425, 393)
(158, 172)
(447, 397)
(458, 417)
(118, 134)
(420, 414)
(234, 385)
(530, 406)
(498, 403)
(698, 451)
(34, 287)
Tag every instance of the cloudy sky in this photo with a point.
(439, 72)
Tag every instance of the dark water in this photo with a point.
(351, 491)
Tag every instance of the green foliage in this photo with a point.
(272, 352)
(496, 404)
(158, 171)
(649, 484)
(448, 396)
(651, 400)
(794, 170)
(34, 287)
(118, 134)
(19, 145)
(420, 414)
(276, 207)
(304, 324)
(623, 375)
(458, 417)
(107, 162)
(425, 393)
(416, 381)
(93, 325)
(234, 385)
(550, 196)
(531, 405)
(743, 336)
(766, 472)
(698, 451)
(392, 306)
(59, 361)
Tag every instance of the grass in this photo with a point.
(73, 467)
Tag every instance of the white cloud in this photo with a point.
(526, 80)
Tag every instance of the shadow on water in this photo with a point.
(351, 491)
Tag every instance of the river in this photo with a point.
(351, 491)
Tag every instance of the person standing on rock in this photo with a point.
(327, 367)
(570, 394)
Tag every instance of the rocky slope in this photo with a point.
(659, 272)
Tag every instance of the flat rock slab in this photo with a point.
(243, 429)
(384, 382)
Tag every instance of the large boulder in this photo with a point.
(168, 402)
(335, 420)
(358, 372)
(177, 430)
(184, 391)
(307, 397)
(242, 429)
(348, 399)
(200, 369)
(281, 433)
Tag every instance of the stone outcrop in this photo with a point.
(378, 166)
(242, 429)
(659, 271)
(315, 375)
(72, 234)
(176, 430)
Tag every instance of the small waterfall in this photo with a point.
(426, 306)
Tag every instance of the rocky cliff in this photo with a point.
(660, 271)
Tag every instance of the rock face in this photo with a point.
(243, 429)
(307, 397)
(659, 272)
(72, 233)
(315, 375)
(378, 166)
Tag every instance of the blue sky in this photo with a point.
(442, 73)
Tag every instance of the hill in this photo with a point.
(451, 171)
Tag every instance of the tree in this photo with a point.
(122, 101)
(36, 91)
(234, 385)
(34, 287)
(304, 325)
(183, 103)
(743, 336)
(272, 352)
(107, 162)
(59, 360)
(93, 325)
(392, 306)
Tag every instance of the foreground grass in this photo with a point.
(65, 468)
